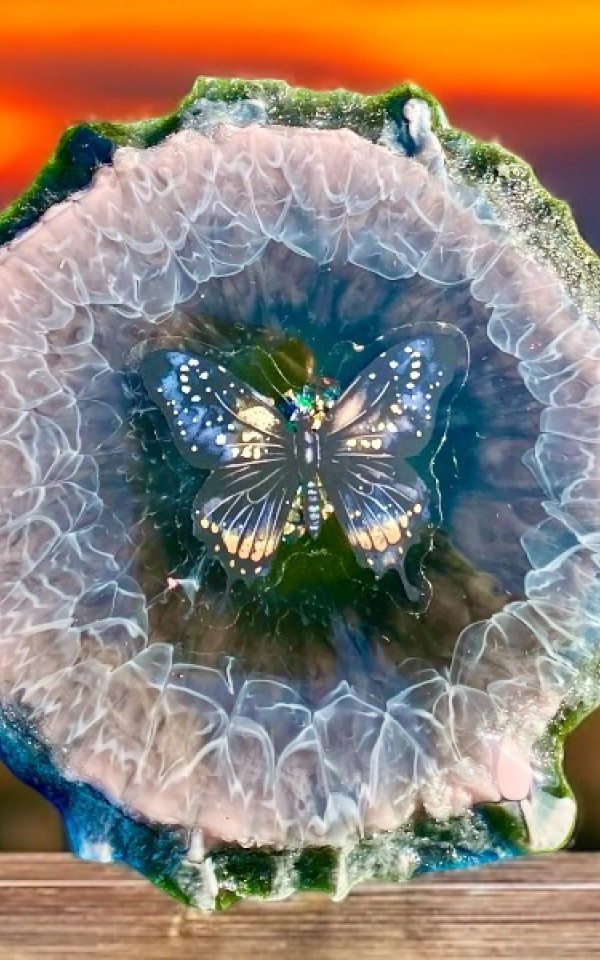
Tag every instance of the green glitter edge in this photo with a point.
(542, 224)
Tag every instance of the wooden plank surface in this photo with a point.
(52, 905)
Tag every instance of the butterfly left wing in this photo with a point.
(240, 513)
(214, 416)
(221, 424)
(386, 415)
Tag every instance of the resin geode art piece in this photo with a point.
(300, 493)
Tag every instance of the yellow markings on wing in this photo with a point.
(230, 540)
(382, 533)
(259, 417)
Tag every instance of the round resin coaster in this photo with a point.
(299, 493)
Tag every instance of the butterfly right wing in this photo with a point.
(385, 416)
(221, 424)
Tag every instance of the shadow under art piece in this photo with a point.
(299, 493)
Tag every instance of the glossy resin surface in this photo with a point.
(298, 493)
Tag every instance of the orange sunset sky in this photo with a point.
(527, 73)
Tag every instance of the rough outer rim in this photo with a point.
(545, 227)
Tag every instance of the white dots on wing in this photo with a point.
(393, 364)
(220, 439)
(186, 389)
(203, 375)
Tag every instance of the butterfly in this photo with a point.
(282, 468)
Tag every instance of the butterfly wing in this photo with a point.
(386, 415)
(240, 512)
(221, 424)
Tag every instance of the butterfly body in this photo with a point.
(277, 469)
(306, 413)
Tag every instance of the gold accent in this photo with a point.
(231, 541)
(378, 538)
(258, 417)
(270, 546)
(391, 530)
(364, 539)
(245, 547)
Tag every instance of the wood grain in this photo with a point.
(53, 906)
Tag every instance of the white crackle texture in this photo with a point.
(248, 223)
